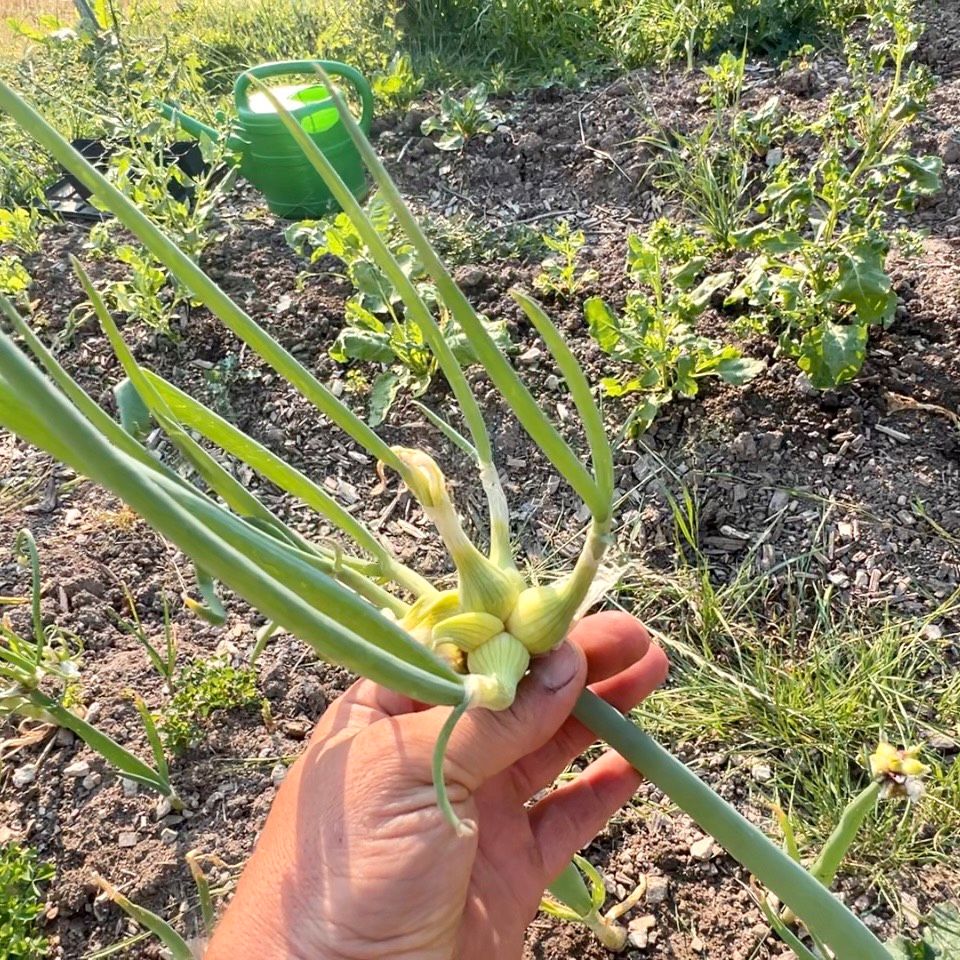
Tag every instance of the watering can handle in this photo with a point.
(309, 67)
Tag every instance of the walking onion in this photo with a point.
(466, 648)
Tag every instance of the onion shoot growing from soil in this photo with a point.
(467, 649)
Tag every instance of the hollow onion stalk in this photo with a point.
(302, 588)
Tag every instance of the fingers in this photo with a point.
(485, 743)
(569, 818)
(624, 690)
(611, 642)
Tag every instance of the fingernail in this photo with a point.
(558, 669)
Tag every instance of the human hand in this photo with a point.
(356, 862)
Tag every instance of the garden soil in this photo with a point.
(779, 469)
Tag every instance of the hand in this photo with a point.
(355, 861)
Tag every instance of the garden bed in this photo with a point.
(852, 491)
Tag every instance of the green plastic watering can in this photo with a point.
(268, 155)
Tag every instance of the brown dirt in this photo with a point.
(763, 458)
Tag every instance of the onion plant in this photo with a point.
(467, 648)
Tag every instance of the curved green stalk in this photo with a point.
(511, 387)
(422, 316)
(827, 919)
(825, 867)
(463, 827)
(395, 659)
(25, 546)
(194, 279)
(240, 445)
(572, 372)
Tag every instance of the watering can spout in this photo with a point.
(190, 124)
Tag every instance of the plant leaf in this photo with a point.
(833, 353)
(739, 370)
(603, 324)
(382, 395)
(864, 283)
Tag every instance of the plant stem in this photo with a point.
(827, 918)
(825, 867)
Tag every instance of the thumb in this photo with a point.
(486, 742)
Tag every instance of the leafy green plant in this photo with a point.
(397, 84)
(46, 658)
(941, 937)
(440, 648)
(558, 274)
(20, 227)
(14, 279)
(655, 334)
(22, 902)
(460, 120)
(713, 172)
(819, 271)
(378, 327)
(202, 688)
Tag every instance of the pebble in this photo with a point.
(127, 838)
(639, 930)
(25, 775)
(79, 769)
(531, 355)
(761, 772)
(744, 447)
(778, 501)
(91, 781)
(168, 836)
(163, 808)
(703, 849)
(657, 889)
(130, 787)
(278, 774)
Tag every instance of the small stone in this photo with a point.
(130, 787)
(761, 772)
(778, 501)
(168, 836)
(703, 849)
(532, 355)
(65, 737)
(697, 945)
(552, 383)
(639, 930)
(127, 838)
(803, 386)
(744, 446)
(91, 781)
(79, 769)
(72, 517)
(163, 808)
(278, 774)
(774, 157)
(25, 775)
(657, 889)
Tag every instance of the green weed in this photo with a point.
(22, 876)
(655, 334)
(558, 274)
(20, 227)
(202, 688)
(769, 667)
(461, 120)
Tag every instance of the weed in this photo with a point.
(203, 687)
(22, 902)
(769, 666)
(655, 335)
(20, 227)
(819, 272)
(14, 279)
(377, 328)
(397, 85)
(558, 274)
(164, 660)
(713, 172)
(461, 120)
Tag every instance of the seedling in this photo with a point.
(397, 85)
(20, 227)
(26, 663)
(655, 333)
(558, 274)
(461, 120)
